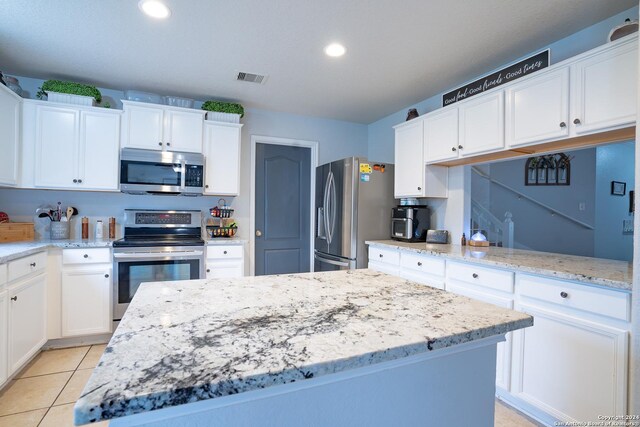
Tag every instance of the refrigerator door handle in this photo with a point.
(326, 207)
(333, 201)
(332, 262)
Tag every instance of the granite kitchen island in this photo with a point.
(339, 348)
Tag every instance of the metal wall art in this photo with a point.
(550, 169)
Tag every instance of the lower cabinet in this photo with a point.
(86, 300)
(225, 261)
(3, 337)
(27, 320)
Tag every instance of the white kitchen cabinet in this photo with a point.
(537, 109)
(224, 261)
(425, 269)
(3, 337)
(86, 300)
(481, 124)
(158, 127)
(222, 143)
(27, 320)
(76, 148)
(604, 88)
(409, 164)
(384, 260)
(441, 135)
(572, 364)
(568, 367)
(10, 108)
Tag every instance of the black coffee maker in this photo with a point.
(410, 223)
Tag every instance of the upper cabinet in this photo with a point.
(537, 109)
(222, 154)
(10, 107)
(75, 148)
(409, 167)
(604, 88)
(158, 127)
(481, 125)
(441, 135)
(411, 177)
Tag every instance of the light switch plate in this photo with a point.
(627, 226)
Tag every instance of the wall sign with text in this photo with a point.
(506, 75)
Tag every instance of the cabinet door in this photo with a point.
(538, 109)
(57, 147)
(183, 131)
(409, 168)
(570, 368)
(99, 150)
(27, 320)
(481, 124)
(222, 152)
(503, 355)
(143, 127)
(441, 136)
(10, 107)
(86, 301)
(604, 89)
(225, 270)
(3, 338)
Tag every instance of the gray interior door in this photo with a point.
(283, 185)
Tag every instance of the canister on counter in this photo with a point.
(85, 227)
(112, 228)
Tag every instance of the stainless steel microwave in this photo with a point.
(161, 172)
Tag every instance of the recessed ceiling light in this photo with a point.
(335, 49)
(154, 8)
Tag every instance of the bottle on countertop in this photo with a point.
(99, 230)
(85, 227)
(463, 241)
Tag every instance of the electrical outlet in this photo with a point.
(582, 206)
(627, 226)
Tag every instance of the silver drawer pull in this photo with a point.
(33, 264)
(86, 256)
(14, 298)
(563, 294)
(380, 255)
(419, 264)
(475, 275)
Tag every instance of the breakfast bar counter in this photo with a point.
(305, 349)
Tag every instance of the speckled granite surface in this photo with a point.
(596, 271)
(181, 342)
(11, 251)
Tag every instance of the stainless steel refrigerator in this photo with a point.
(352, 205)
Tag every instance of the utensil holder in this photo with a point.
(59, 230)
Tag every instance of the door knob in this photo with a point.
(258, 233)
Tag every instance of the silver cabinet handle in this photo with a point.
(563, 294)
(576, 122)
(106, 276)
(563, 125)
(14, 298)
(475, 275)
(86, 256)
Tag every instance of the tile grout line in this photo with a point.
(62, 389)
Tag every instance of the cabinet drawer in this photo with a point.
(224, 252)
(499, 280)
(27, 265)
(386, 256)
(219, 270)
(3, 274)
(423, 264)
(604, 302)
(86, 256)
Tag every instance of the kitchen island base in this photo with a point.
(448, 386)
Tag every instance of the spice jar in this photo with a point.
(85, 227)
(112, 228)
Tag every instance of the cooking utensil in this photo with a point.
(69, 213)
(45, 215)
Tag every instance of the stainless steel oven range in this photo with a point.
(158, 246)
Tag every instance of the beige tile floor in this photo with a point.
(43, 394)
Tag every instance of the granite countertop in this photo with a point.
(182, 342)
(597, 271)
(11, 251)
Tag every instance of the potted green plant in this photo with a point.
(69, 93)
(221, 111)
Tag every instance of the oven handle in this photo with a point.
(147, 255)
(183, 175)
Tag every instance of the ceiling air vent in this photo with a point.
(251, 78)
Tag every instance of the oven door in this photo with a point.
(133, 266)
(401, 228)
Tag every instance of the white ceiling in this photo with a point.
(398, 52)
